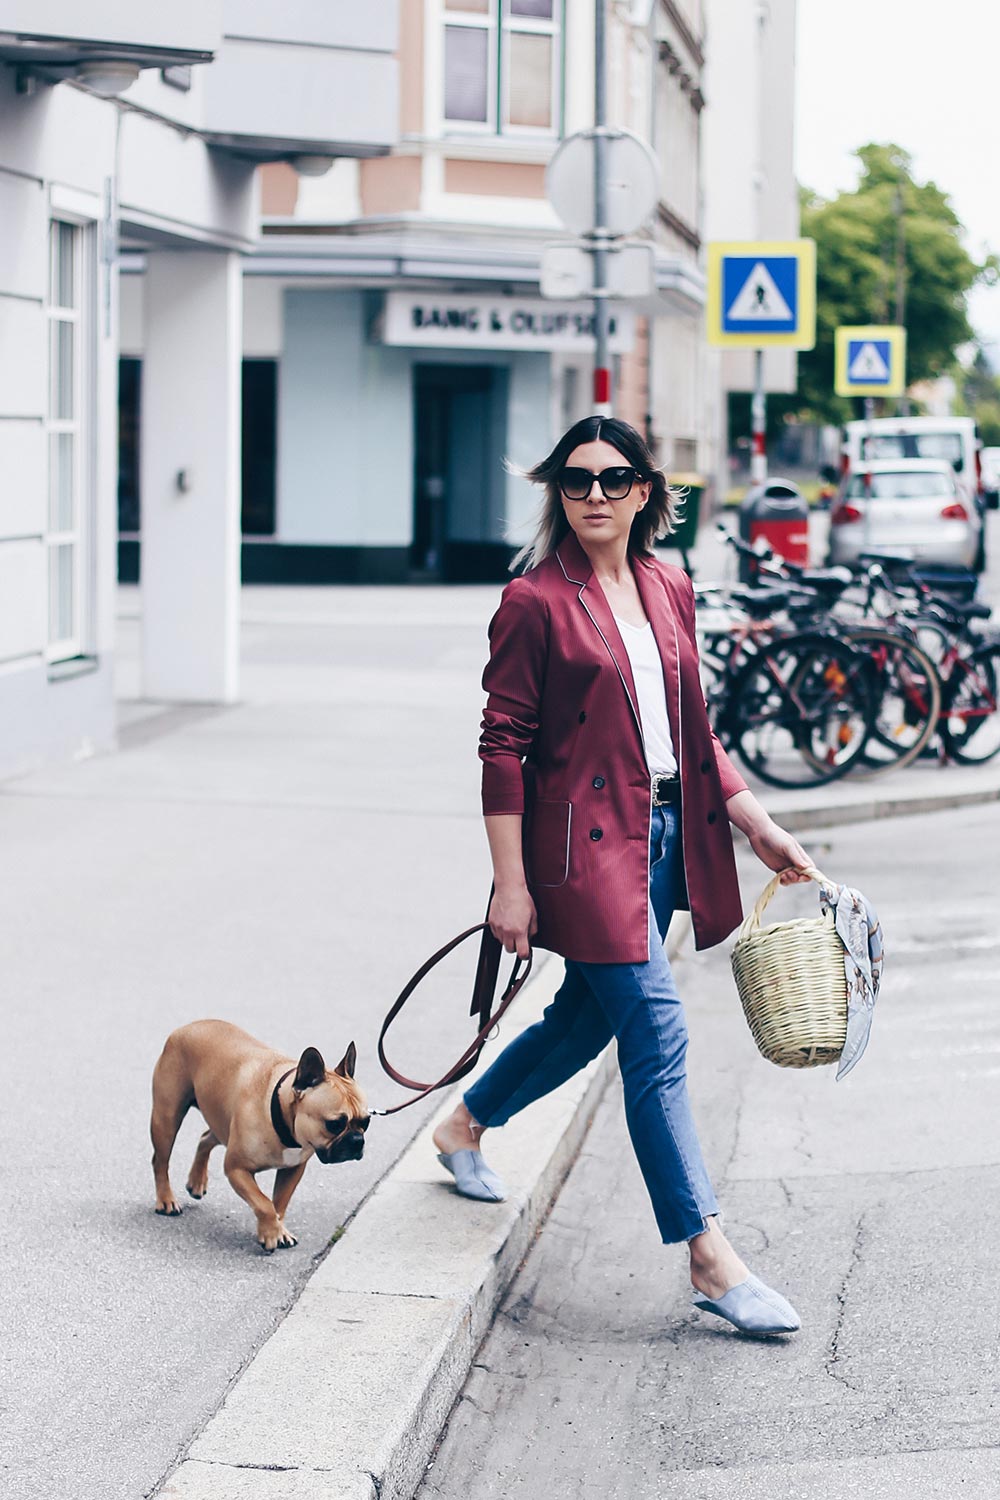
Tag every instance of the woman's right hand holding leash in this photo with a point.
(512, 919)
(512, 915)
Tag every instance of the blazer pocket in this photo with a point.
(548, 843)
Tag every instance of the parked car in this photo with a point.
(915, 507)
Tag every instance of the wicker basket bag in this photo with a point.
(793, 985)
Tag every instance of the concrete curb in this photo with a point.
(348, 1396)
(835, 815)
(346, 1399)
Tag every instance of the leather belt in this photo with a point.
(666, 789)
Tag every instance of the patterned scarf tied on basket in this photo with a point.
(860, 931)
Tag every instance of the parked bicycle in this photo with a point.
(792, 704)
(932, 671)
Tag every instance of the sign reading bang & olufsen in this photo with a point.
(437, 320)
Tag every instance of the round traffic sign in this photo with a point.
(632, 182)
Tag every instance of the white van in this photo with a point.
(953, 439)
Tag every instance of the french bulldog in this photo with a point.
(266, 1109)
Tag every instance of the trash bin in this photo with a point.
(683, 538)
(775, 512)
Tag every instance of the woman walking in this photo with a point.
(607, 801)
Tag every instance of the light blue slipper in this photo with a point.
(473, 1178)
(752, 1307)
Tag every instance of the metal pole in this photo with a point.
(758, 414)
(903, 404)
(602, 364)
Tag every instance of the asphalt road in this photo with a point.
(285, 864)
(873, 1203)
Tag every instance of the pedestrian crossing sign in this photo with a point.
(762, 293)
(870, 361)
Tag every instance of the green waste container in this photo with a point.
(683, 538)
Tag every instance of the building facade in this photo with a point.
(400, 363)
(749, 175)
(138, 130)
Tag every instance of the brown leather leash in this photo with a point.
(483, 992)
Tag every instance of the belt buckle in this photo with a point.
(658, 799)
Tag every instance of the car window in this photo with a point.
(912, 485)
(940, 445)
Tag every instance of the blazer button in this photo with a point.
(705, 766)
(583, 717)
(712, 817)
(598, 782)
(596, 834)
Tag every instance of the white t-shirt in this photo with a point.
(647, 671)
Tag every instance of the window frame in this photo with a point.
(79, 316)
(499, 25)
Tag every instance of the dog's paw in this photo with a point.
(196, 1190)
(276, 1238)
(168, 1207)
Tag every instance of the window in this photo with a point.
(913, 484)
(69, 306)
(944, 445)
(502, 65)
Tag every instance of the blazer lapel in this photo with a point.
(577, 569)
(660, 613)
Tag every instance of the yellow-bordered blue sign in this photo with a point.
(762, 293)
(870, 360)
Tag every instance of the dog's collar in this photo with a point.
(281, 1129)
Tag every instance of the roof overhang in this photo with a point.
(264, 148)
(404, 252)
(62, 54)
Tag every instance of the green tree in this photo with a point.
(890, 222)
(979, 397)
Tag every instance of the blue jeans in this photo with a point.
(638, 1004)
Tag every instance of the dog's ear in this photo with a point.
(311, 1070)
(347, 1063)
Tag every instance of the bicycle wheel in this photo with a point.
(970, 722)
(906, 691)
(800, 711)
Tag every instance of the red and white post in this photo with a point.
(758, 422)
(599, 242)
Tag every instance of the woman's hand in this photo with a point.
(779, 851)
(512, 919)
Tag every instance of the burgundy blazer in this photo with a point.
(561, 743)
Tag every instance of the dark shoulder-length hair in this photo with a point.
(658, 517)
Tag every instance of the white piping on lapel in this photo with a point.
(600, 632)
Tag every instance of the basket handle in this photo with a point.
(752, 922)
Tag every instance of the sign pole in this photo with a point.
(758, 416)
(599, 240)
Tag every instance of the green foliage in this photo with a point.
(979, 397)
(859, 236)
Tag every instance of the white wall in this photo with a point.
(183, 25)
(172, 183)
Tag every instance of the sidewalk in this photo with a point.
(236, 862)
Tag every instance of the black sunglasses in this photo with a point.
(616, 483)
